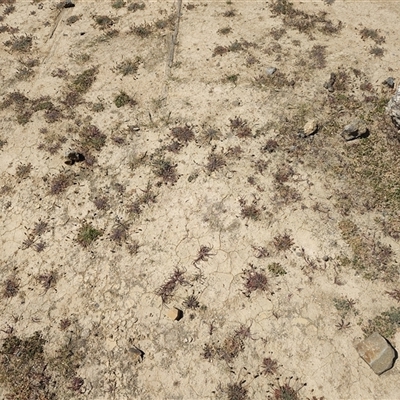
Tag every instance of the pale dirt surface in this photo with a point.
(110, 295)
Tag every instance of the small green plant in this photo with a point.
(215, 162)
(254, 280)
(103, 21)
(232, 78)
(387, 323)
(23, 170)
(165, 170)
(373, 34)
(283, 242)
(136, 6)
(269, 366)
(249, 211)
(122, 99)
(72, 19)
(91, 137)
(22, 44)
(236, 391)
(143, 31)
(191, 302)
(183, 134)
(23, 371)
(88, 234)
(224, 31)
(344, 305)
(83, 82)
(129, 67)
(11, 287)
(377, 51)
(118, 4)
(277, 269)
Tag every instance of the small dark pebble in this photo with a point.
(74, 157)
(389, 82)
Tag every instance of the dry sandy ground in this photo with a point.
(200, 194)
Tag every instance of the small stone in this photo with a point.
(74, 157)
(270, 70)
(175, 314)
(389, 82)
(376, 351)
(310, 127)
(354, 130)
(393, 108)
(325, 258)
(137, 354)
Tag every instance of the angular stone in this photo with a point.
(376, 351)
(175, 314)
(310, 127)
(354, 130)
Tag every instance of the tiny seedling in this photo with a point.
(229, 13)
(143, 31)
(249, 211)
(133, 247)
(24, 170)
(373, 34)
(92, 138)
(377, 51)
(118, 4)
(224, 31)
(129, 67)
(236, 391)
(122, 99)
(269, 366)
(203, 254)
(60, 183)
(72, 19)
(240, 127)
(342, 324)
(183, 134)
(254, 280)
(165, 170)
(119, 232)
(276, 269)
(288, 390)
(88, 234)
(283, 242)
(22, 44)
(83, 82)
(65, 323)
(11, 287)
(136, 6)
(191, 302)
(101, 203)
(215, 162)
(103, 21)
(270, 146)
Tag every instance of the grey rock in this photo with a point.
(377, 352)
(389, 82)
(270, 70)
(356, 129)
(329, 85)
(393, 108)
